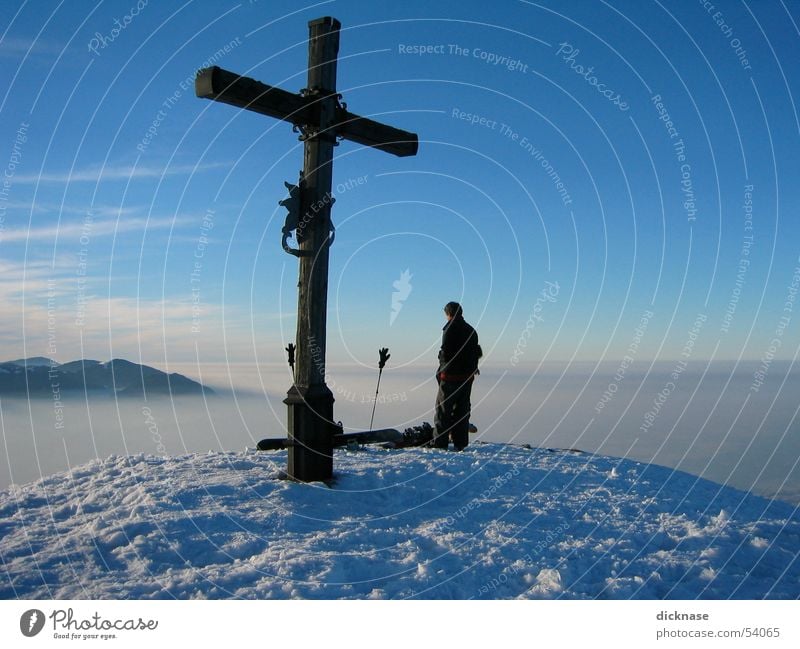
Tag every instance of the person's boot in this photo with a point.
(440, 440)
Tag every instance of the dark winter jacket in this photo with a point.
(458, 357)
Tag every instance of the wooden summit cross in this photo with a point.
(317, 113)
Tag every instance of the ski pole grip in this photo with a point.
(290, 350)
(383, 357)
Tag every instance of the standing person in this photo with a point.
(458, 366)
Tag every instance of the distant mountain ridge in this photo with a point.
(33, 361)
(40, 377)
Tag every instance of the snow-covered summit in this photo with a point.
(493, 522)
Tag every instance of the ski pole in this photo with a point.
(383, 354)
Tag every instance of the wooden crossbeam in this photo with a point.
(363, 130)
(243, 92)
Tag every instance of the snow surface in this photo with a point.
(495, 521)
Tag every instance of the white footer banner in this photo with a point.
(355, 624)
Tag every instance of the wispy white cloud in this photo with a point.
(100, 326)
(47, 311)
(108, 173)
(17, 47)
(97, 229)
(45, 207)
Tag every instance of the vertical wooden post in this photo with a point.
(310, 401)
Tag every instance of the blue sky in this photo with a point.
(550, 196)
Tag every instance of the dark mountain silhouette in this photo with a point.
(34, 361)
(40, 377)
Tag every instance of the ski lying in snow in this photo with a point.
(389, 437)
(344, 439)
